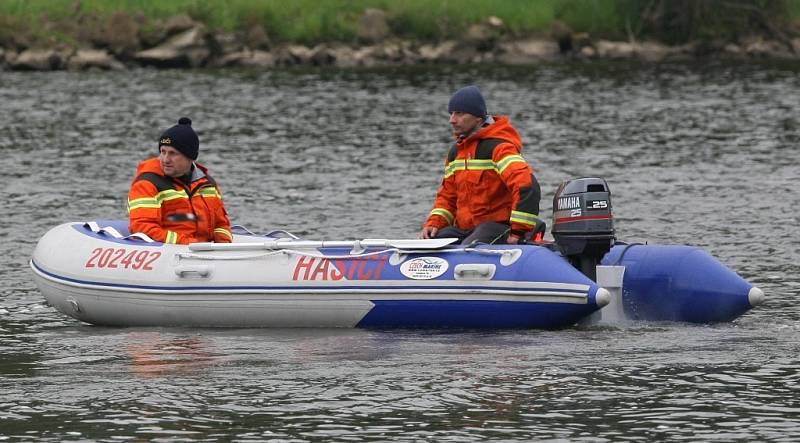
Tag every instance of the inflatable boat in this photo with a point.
(98, 273)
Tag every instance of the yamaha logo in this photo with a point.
(569, 203)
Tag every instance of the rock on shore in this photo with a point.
(181, 42)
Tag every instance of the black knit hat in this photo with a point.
(468, 99)
(181, 137)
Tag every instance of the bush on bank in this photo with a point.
(31, 23)
(112, 34)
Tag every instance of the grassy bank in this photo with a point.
(311, 21)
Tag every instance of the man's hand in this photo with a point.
(428, 232)
(515, 238)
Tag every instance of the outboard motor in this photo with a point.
(583, 226)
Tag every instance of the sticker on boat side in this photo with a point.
(424, 268)
(355, 268)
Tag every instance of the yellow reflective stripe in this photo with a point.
(210, 192)
(506, 161)
(147, 202)
(171, 194)
(172, 237)
(155, 202)
(525, 218)
(480, 164)
(224, 232)
(444, 213)
(455, 165)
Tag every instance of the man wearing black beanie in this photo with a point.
(175, 200)
(489, 193)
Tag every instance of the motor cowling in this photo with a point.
(583, 226)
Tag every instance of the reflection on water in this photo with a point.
(152, 355)
(702, 155)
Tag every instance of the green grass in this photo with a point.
(311, 21)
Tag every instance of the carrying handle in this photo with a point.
(193, 271)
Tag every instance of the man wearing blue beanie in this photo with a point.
(489, 193)
(173, 199)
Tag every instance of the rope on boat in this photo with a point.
(192, 255)
(110, 230)
(624, 250)
(272, 233)
(283, 251)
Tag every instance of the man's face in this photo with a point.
(463, 123)
(173, 162)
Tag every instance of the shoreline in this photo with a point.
(185, 43)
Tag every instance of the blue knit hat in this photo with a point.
(181, 137)
(468, 99)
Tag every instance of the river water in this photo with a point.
(694, 154)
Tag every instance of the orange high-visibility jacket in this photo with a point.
(486, 179)
(170, 211)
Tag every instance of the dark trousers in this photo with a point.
(488, 232)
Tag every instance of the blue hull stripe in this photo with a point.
(472, 314)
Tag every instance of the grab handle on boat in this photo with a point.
(477, 271)
(193, 271)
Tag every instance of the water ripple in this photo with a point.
(702, 155)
